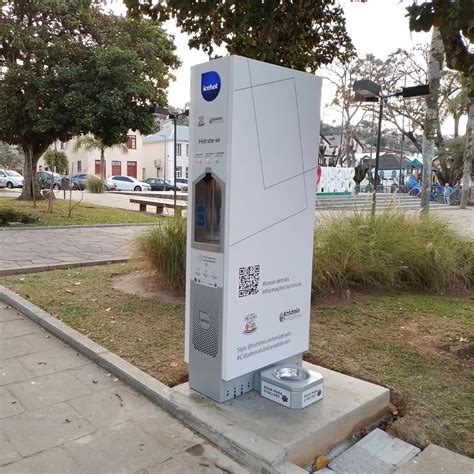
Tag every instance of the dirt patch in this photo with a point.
(143, 284)
(431, 341)
(341, 298)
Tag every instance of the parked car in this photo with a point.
(45, 177)
(10, 179)
(182, 184)
(158, 184)
(127, 183)
(79, 181)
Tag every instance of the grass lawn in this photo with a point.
(418, 345)
(83, 214)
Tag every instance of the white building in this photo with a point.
(123, 159)
(158, 153)
(141, 157)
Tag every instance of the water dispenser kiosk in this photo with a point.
(254, 136)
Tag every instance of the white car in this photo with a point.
(10, 179)
(181, 183)
(127, 183)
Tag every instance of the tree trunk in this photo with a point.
(102, 164)
(30, 191)
(468, 155)
(347, 146)
(435, 66)
(456, 126)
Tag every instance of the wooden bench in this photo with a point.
(159, 204)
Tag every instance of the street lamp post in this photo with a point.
(377, 156)
(175, 116)
(367, 90)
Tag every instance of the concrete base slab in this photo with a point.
(348, 406)
(436, 459)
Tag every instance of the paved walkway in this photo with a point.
(30, 248)
(59, 412)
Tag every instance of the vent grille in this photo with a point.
(205, 336)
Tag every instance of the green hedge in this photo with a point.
(391, 250)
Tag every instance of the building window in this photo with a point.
(178, 152)
(187, 172)
(116, 168)
(79, 166)
(63, 145)
(132, 169)
(187, 150)
(132, 142)
(143, 173)
(179, 171)
(97, 168)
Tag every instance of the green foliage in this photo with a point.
(163, 250)
(56, 161)
(69, 69)
(84, 213)
(300, 35)
(451, 159)
(360, 173)
(9, 159)
(454, 21)
(8, 215)
(391, 250)
(95, 185)
(89, 143)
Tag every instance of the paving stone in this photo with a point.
(9, 404)
(376, 453)
(55, 360)
(167, 431)
(18, 327)
(36, 430)
(12, 371)
(200, 459)
(8, 452)
(94, 378)
(124, 448)
(435, 459)
(8, 314)
(112, 406)
(14, 347)
(48, 390)
(55, 460)
(43, 341)
(42, 247)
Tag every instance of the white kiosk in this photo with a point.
(254, 146)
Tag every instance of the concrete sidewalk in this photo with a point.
(41, 248)
(59, 412)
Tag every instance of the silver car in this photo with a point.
(127, 183)
(10, 179)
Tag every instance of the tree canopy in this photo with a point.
(67, 68)
(56, 161)
(300, 35)
(454, 20)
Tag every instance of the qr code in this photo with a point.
(248, 280)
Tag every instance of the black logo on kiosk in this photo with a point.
(210, 85)
(204, 320)
(293, 313)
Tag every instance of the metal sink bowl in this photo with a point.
(291, 374)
